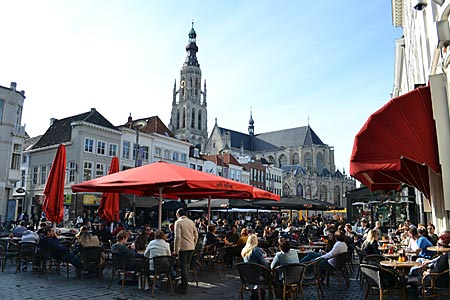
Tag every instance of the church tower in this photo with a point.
(188, 119)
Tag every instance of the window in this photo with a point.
(89, 145)
(183, 157)
(34, 174)
(15, 160)
(2, 107)
(43, 174)
(112, 150)
(99, 170)
(144, 153)
(24, 159)
(192, 166)
(184, 118)
(199, 125)
(158, 152)
(135, 156)
(19, 115)
(72, 166)
(175, 156)
(87, 170)
(101, 148)
(126, 150)
(199, 168)
(167, 154)
(193, 118)
(178, 120)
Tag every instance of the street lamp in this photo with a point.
(137, 125)
(226, 148)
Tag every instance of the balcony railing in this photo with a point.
(19, 129)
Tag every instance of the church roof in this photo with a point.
(303, 136)
(61, 130)
(300, 136)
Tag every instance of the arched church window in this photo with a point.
(193, 118)
(177, 120)
(199, 124)
(323, 193)
(271, 159)
(184, 118)
(308, 162)
(319, 162)
(300, 190)
(295, 159)
(308, 192)
(336, 196)
(282, 160)
(196, 86)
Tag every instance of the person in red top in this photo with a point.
(118, 229)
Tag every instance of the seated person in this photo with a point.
(121, 248)
(103, 233)
(17, 232)
(232, 236)
(370, 245)
(158, 247)
(87, 239)
(29, 236)
(252, 253)
(242, 240)
(210, 238)
(50, 244)
(329, 259)
(423, 243)
(118, 229)
(285, 256)
(144, 238)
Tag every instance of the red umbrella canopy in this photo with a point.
(54, 188)
(397, 144)
(162, 177)
(109, 205)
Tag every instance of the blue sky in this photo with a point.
(331, 61)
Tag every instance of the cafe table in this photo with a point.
(391, 256)
(403, 266)
(439, 249)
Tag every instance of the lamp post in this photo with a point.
(137, 125)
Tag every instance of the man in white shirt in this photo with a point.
(329, 259)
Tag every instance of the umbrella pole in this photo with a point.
(209, 210)
(160, 208)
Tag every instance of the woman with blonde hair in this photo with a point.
(370, 245)
(252, 253)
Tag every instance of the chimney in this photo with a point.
(13, 86)
(130, 119)
(93, 109)
(52, 120)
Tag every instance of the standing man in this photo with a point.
(186, 237)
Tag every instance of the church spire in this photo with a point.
(192, 49)
(251, 127)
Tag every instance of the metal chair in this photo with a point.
(26, 252)
(291, 276)
(10, 250)
(91, 256)
(254, 277)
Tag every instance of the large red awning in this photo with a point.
(397, 144)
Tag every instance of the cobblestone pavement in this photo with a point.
(212, 285)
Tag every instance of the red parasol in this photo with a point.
(164, 179)
(54, 189)
(109, 205)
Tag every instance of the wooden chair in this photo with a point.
(119, 268)
(340, 268)
(314, 265)
(162, 265)
(91, 256)
(383, 280)
(254, 277)
(436, 284)
(291, 276)
(26, 252)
